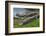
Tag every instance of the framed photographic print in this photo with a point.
(24, 17)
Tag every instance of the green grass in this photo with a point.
(33, 23)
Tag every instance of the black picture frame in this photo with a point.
(6, 18)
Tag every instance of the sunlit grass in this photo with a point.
(33, 23)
